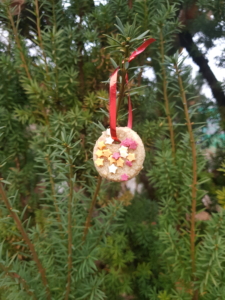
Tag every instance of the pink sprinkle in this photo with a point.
(124, 177)
(125, 143)
(133, 145)
(129, 143)
(129, 163)
(116, 155)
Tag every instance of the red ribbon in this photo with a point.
(112, 92)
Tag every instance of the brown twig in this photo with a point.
(194, 172)
(168, 115)
(27, 240)
(122, 88)
(80, 46)
(18, 43)
(15, 32)
(53, 192)
(39, 35)
(70, 200)
(88, 220)
(22, 281)
(123, 83)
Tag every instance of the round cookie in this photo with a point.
(119, 161)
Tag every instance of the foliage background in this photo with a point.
(66, 235)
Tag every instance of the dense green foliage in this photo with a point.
(61, 240)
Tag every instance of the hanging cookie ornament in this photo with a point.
(119, 152)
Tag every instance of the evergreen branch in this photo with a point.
(53, 192)
(80, 47)
(39, 34)
(23, 57)
(122, 86)
(104, 229)
(18, 43)
(27, 240)
(54, 14)
(164, 77)
(22, 281)
(214, 254)
(88, 220)
(54, 27)
(68, 285)
(194, 172)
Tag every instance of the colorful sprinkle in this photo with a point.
(111, 160)
(99, 162)
(123, 149)
(101, 145)
(107, 153)
(133, 145)
(123, 154)
(112, 169)
(124, 177)
(126, 142)
(131, 156)
(120, 162)
(129, 163)
(99, 153)
(108, 132)
(109, 140)
(116, 155)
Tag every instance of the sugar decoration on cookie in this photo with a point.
(120, 162)
(131, 156)
(107, 153)
(109, 140)
(124, 177)
(123, 151)
(111, 160)
(101, 145)
(133, 145)
(99, 153)
(99, 162)
(129, 163)
(117, 159)
(129, 143)
(112, 169)
(116, 155)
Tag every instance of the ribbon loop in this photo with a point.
(112, 104)
(112, 92)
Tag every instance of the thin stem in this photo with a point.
(80, 46)
(88, 220)
(43, 52)
(168, 115)
(54, 51)
(18, 44)
(18, 278)
(104, 229)
(122, 88)
(70, 200)
(194, 169)
(53, 192)
(27, 240)
(39, 34)
(23, 58)
(123, 83)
